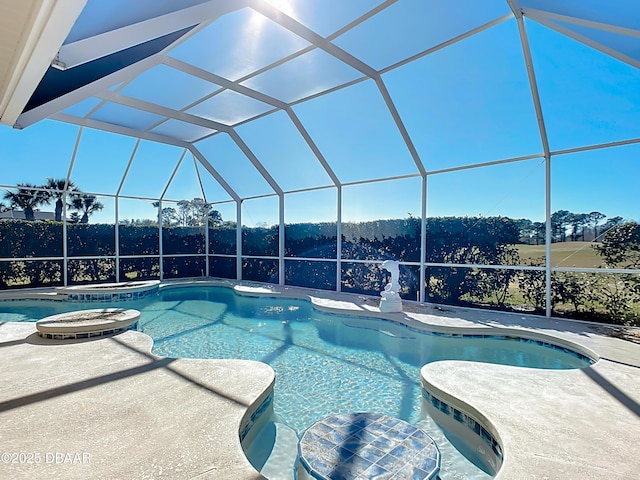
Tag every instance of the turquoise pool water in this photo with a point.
(325, 364)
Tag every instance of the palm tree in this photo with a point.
(57, 191)
(86, 204)
(28, 197)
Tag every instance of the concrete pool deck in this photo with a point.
(107, 408)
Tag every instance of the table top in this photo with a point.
(360, 446)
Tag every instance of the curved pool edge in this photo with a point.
(473, 428)
(549, 423)
(428, 322)
(583, 336)
(586, 337)
(177, 415)
(612, 386)
(521, 428)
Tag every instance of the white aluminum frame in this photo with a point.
(200, 16)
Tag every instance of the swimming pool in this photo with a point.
(325, 364)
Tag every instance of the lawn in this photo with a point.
(565, 254)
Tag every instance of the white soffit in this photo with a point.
(31, 33)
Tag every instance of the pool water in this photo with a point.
(325, 364)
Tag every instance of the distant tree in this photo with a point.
(3, 208)
(28, 197)
(612, 222)
(577, 222)
(540, 229)
(199, 211)
(56, 189)
(137, 222)
(620, 246)
(184, 212)
(188, 213)
(145, 222)
(559, 221)
(594, 220)
(526, 230)
(168, 215)
(85, 204)
(583, 219)
(215, 218)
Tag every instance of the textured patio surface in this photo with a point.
(553, 424)
(107, 408)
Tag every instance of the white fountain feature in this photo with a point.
(391, 301)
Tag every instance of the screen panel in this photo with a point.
(590, 194)
(354, 130)
(469, 102)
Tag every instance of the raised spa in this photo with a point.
(110, 292)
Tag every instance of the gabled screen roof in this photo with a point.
(273, 96)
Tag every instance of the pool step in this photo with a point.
(281, 462)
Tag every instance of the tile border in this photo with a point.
(86, 335)
(508, 337)
(466, 419)
(249, 422)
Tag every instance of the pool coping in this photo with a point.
(618, 362)
(108, 408)
(522, 457)
(87, 323)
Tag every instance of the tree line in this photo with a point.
(565, 225)
(29, 197)
(190, 213)
(451, 241)
(568, 226)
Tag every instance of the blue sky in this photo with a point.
(465, 104)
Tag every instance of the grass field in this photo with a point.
(565, 254)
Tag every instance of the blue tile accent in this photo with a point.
(153, 289)
(387, 462)
(113, 296)
(85, 335)
(458, 415)
(383, 443)
(255, 415)
(486, 436)
(496, 449)
(377, 472)
(471, 423)
(513, 338)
